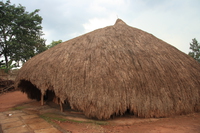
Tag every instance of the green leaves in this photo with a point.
(20, 33)
(54, 43)
(195, 47)
(10, 66)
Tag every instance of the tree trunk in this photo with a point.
(4, 48)
(6, 59)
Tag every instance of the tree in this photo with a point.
(20, 33)
(54, 43)
(195, 47)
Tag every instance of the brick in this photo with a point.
(9, 120)
(34, 120)
(49, 130)
(29, 116)
(41, 125)
(12, 124)
(20, 129)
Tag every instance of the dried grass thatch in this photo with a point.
(114, 69)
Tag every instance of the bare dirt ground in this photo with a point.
(11, 99)
(127, 124)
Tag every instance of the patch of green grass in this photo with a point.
(50, 117)
(18, 108)
(75, 121)
(90, 121)
(101, 123)
(46, 118)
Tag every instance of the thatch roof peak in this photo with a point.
(113, 70)
(119, 21)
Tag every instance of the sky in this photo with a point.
(176, 22)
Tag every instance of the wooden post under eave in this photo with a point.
(42, 99)
(61, 106)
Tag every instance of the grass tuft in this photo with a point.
(18, 108)
(50, 117)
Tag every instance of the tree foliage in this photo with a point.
(195, 47)
(20, 33)
(54, 43)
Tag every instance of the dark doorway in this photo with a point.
(31, 90)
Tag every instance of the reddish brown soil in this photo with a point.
(179, 124)
(11, 99)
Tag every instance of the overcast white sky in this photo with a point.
(176, 22)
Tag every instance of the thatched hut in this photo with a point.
(113, 70)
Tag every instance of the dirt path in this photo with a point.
(127, 124)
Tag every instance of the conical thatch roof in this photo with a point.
(114, 69)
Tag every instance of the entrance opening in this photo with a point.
(127, 113)
(49, 96)
(53, 101)
(34, 93)
(31, 90)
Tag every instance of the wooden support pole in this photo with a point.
(61, 106)
(42, 99)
